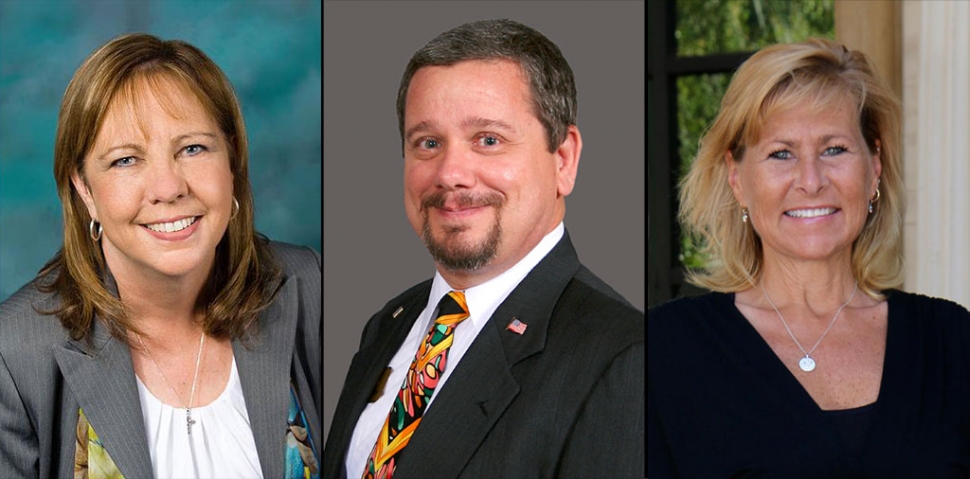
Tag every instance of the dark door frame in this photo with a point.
(665, 275)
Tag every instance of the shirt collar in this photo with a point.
(484, 299)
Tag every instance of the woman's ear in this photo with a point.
(734, 177)
(85, 192)
(877, 165)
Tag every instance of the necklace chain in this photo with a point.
(807, 363)
(198, 361)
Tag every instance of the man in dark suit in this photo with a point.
(514, 360)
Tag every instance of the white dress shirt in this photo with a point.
(482, 301)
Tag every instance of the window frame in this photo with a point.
(665, 274)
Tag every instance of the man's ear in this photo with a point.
(567, 161)
(82, 189)
(734, 177)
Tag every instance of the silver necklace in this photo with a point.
(198, 360)
(807, 364)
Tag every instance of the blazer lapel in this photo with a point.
(264, 372)
(482, 386)
(443, 443)
(102, 378)
(365, 371)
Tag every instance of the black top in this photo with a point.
(721, 404)
(853, 425)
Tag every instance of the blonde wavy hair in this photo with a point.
(775, 78)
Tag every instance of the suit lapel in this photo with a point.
(365, 370)
(264, 372)
(439, 444)
(482, 386)
(102, 378)
(370, 370)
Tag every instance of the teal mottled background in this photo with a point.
(270, 50)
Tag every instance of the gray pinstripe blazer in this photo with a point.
(45, 377)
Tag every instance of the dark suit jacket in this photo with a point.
(564, 399)
(45, 377)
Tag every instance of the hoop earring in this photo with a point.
(97, 237)
(235, 211)
(744, 215)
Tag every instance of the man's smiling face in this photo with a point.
(481, 188)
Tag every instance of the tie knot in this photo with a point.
(452, 309)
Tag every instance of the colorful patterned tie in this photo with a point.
(422, 379)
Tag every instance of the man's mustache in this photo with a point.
(463, 200)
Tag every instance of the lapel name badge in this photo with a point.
(516, 326)
(379, 388)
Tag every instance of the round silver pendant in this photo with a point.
(806, 364)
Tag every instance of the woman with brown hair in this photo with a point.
(166, 338)
(806, 360)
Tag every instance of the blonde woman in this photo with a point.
(807, 360)
(166, 338)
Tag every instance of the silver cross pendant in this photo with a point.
(189, 421)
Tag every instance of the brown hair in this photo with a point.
(245, 276)
(777, 77)
(550, 77)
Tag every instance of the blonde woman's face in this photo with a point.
(158, 180)
(807, 182)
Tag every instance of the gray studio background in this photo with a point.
(270, 50)
(371, 253)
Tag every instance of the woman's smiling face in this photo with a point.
(807, 181)
(158, 180)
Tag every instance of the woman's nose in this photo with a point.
(166, 182)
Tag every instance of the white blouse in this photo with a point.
(221, 444)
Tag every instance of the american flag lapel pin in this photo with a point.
(516, 326)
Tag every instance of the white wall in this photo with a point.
(936, 147)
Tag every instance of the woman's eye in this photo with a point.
(835, 150)
(193, 150)
(780, 155)
(126, 161)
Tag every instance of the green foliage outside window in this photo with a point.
(710, 27)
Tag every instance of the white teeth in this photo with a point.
(173, 226)
(810, 213)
